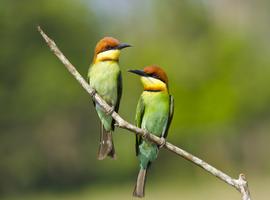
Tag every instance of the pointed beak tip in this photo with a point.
(138, 72)
(124, 45)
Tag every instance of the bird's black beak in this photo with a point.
(138, 72)
(122, 46)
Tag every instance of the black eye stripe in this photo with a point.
(109, 47)
(153, 75)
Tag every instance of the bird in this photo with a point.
(104, 76)
(154, 114)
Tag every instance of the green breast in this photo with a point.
(103, 77)
(156, 111)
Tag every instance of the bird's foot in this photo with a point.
(110, 111)
(163, 142)
(93, 92)
(145, 134)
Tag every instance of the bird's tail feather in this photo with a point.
(140, 184)
(106, 147)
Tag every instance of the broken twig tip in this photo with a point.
(39, 28)
(242, 177)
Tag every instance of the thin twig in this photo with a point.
(240, 184)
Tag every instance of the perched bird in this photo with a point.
(104, 76)
(154, 114)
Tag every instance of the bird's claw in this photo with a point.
(110, 111)
(93, 92)
(145, 134)
(163, 142)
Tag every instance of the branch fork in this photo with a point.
(240, 184)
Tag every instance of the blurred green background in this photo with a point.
(216, 54)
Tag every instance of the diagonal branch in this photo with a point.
(240, 184)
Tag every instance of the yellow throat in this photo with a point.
(112, 55)
(153, 84)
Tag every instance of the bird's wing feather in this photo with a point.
(119, 91)
(119, 95)
(138, 121)
(88, 81)
(169, 119)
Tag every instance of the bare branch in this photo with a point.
(240, 184)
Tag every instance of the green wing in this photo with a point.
(119, 91)
(169, 119)
(119, 95)
(88, 81)
(138, 121)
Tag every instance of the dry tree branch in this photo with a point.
(240, 184)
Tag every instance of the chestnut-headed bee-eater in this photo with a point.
(154, 114)
(104, 76)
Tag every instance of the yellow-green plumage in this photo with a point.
(155, 107)
(154, 113)
(105, 78)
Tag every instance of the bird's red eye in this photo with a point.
(108, 47)
(153, 75)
